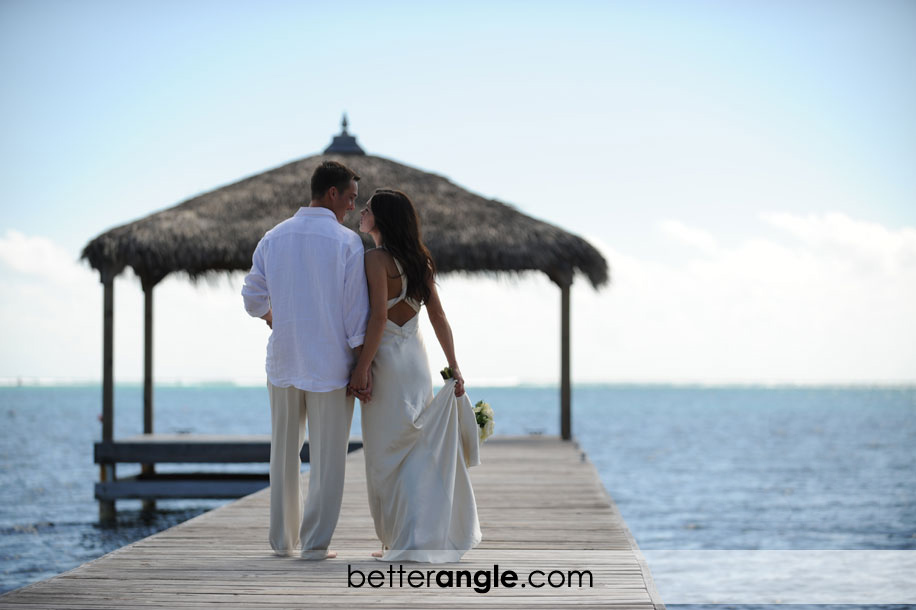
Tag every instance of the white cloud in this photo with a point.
(824, 299)
(866, 244)
(50, 311)
(833, 302)
(39, 257)
(51, 322)
(690, 236)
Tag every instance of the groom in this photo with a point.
(308, 283)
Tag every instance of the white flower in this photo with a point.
(487, 431)
(485, 419)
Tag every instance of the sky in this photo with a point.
(746, 168)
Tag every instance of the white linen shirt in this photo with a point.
(309, 271)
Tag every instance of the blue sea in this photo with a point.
(689, 467)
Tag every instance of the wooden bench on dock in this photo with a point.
(186, 448)
(541, 506)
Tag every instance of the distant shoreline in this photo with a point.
(15, 382)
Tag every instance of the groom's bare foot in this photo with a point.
(317, 556)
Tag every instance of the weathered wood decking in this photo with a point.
(541, 506)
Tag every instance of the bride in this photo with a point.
(420, 494)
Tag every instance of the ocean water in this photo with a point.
(690, 468)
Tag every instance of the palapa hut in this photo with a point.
(218, 231)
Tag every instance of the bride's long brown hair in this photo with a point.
(397, 221)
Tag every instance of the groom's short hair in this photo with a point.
(331, 173)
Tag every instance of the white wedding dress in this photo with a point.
(418, 448)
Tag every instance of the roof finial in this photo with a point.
(344, 144)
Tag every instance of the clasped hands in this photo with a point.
(360, 384)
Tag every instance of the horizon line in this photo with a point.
(37, 382)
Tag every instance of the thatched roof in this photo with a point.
(218, 230)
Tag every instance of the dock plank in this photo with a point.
(541, 506)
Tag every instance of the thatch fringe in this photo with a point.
(218, 230)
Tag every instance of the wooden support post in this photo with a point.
(148, 359)
(565, 385)
(148, 469)
(108, 473)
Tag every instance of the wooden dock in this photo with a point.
(541, 506)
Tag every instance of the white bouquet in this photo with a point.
(482, 411)
(485, 417)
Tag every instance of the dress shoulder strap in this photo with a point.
(400, 297)
(414, 304)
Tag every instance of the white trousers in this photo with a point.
(328, 415)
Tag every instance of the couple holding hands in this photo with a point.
(345, 324)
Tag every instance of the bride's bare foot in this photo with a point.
(377, 554)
